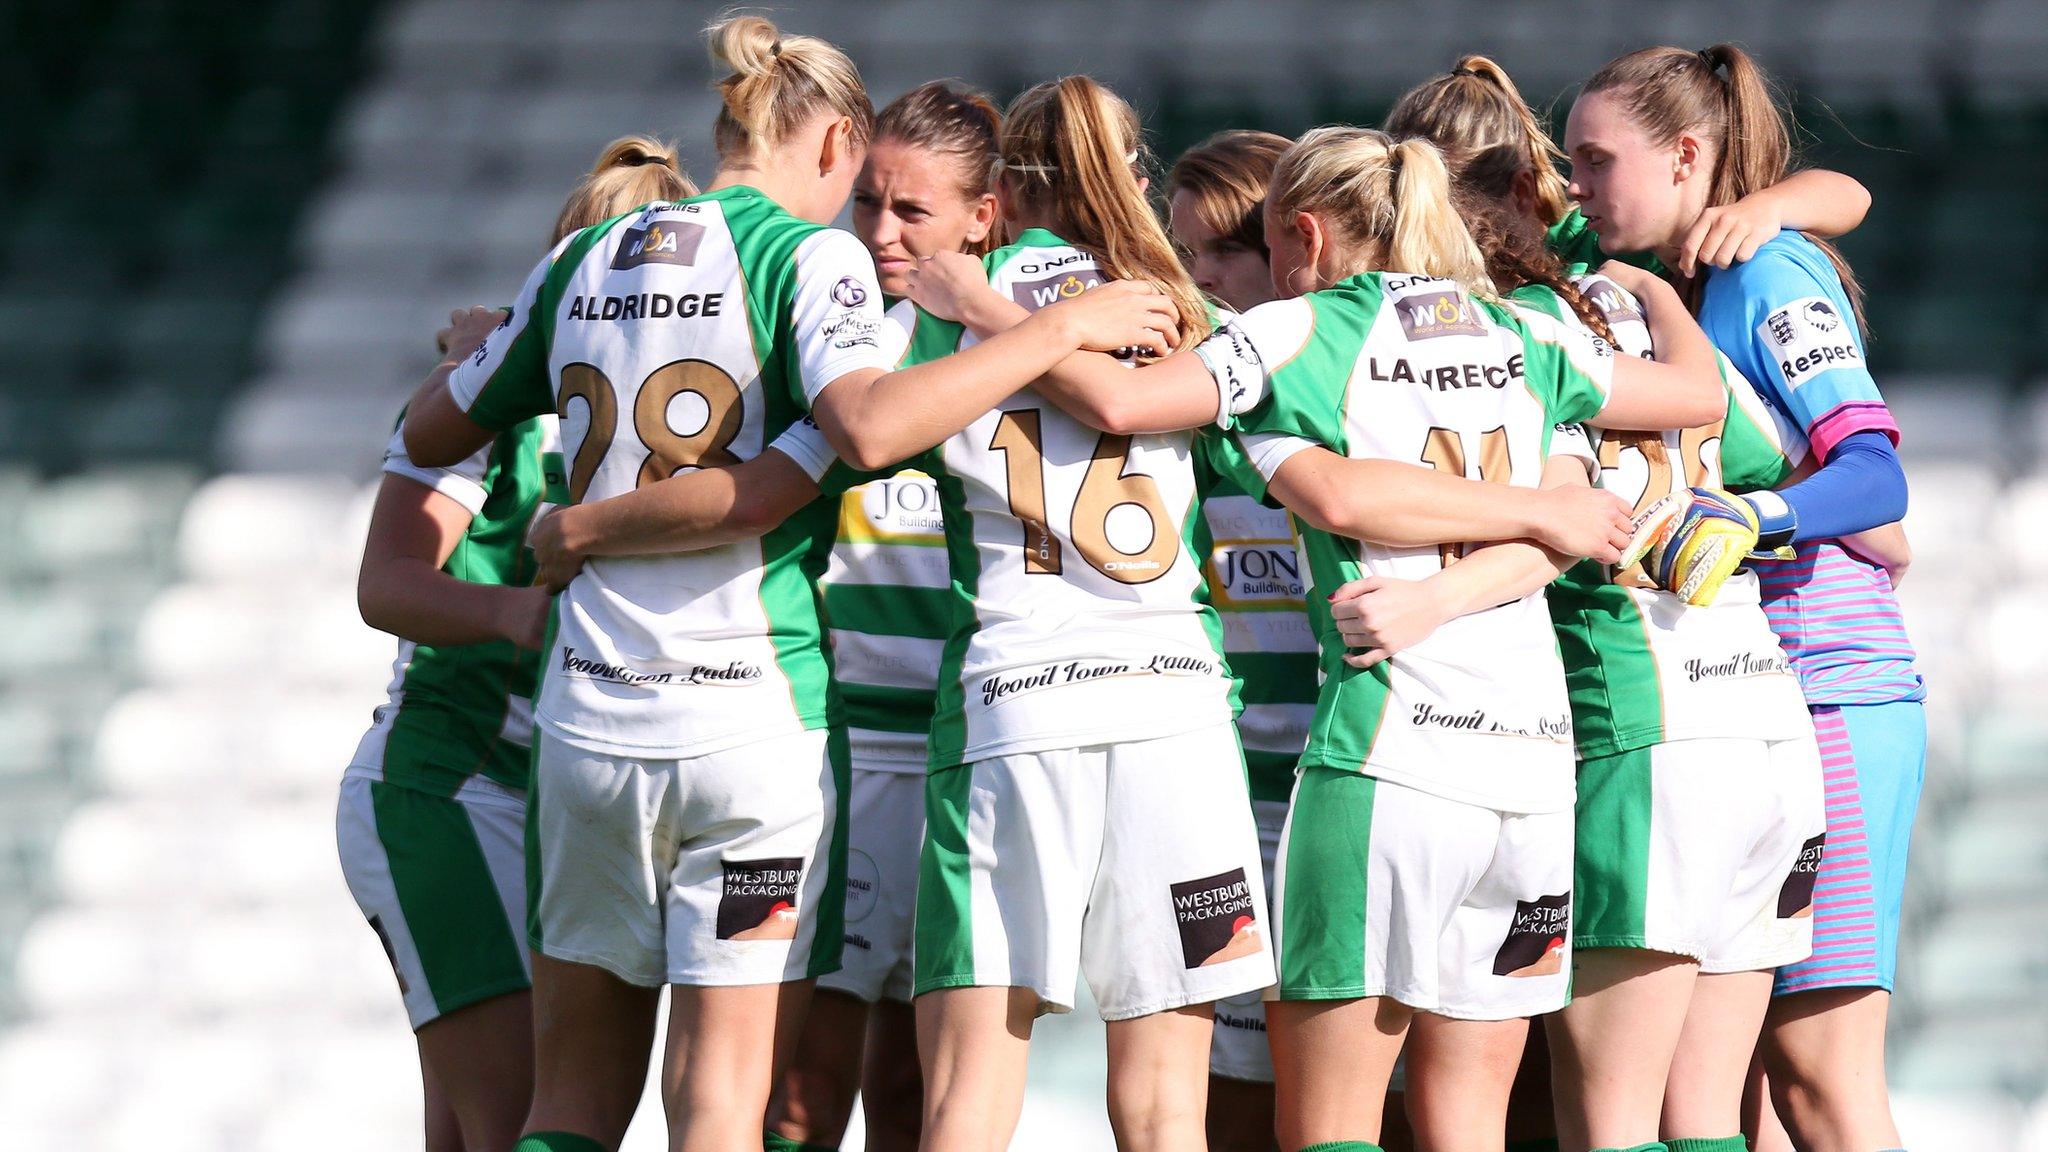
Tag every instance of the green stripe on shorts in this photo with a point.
(943, 943)
(1322, 936)
(829, 941)
(1611, 865)
(466, 945)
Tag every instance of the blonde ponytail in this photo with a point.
(1072, 148)
(776, 84)
(1487, 132)
(631, 171)
(1384, 202)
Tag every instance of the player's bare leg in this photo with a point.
(1532, 1113)
(1331, 1063)
(1611, 1047)
(1703, 1095)
(1459, 1075)
(813, 1098)
(1159, 1078)
(726, 1047)
(444, 1132)
(592, 1033)
(478, 1062)
(1824, 1052)
(1240, 1115)
(975, 1044)
(1759, 1119)
(891, 1081)
(1396, 1133)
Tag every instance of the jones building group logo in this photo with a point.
(1795, 899)
(1218, 919)
(759, 900)
(1535, 944)
(660, 243)
(1426, 315)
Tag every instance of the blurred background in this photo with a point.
(229, 228)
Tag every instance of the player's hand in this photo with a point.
(1381, 616)
(1585, 522)
(1729, 234)
(467, 328)
(1690, 542)
(945, 283)
(525, 621)
(1119, 316)
(559, 561)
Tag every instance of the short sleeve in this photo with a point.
(462, 483)
(897, 326)
(1572, 442)
(1246, 349)
(1221, 454)
(1792, 334)
(505, 382)
(804, 442)
(836, 316)
(1571, 367)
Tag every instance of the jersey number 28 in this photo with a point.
(668, 451)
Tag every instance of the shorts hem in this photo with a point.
(1543, 1009)
(470, 996)
(1689, 949)
(1433, 1008)
(898, 995)
(1718, 966)
(1881, 983)
(1048, 1002)
(593, 960)
(1170, 1003)
(687, 979)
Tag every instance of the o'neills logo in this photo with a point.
(665, 242)
(1443, 313)
(1535, 944)
(737, 672)
(1036, 294)
(1737, 666)
(759, 900)
(1795, 899)
(1076, 671)
(1218, 919)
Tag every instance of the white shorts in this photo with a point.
(1447, 907)
(1239, 1049)
(715, 870)
(1703, 848)
(442, 881)
(884, 832)
(1135, 865)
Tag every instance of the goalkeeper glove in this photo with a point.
(1690, 542)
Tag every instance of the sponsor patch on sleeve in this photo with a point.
(1810, 336)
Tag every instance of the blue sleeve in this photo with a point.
(1784, 320)
(1862, 486)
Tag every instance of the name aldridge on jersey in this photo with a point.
(646, 306)
(737, 672)
(994, 688)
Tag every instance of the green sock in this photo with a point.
(777, 1142)
(1702, 1144)
(556, 1142)
(1652, 1146)
(1343, 1146)
(1540, 1144)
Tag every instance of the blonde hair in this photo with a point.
(1374, 195)
(1488, 134)
(1724, 96)
(631, 171)
(776, 84)
(1071, 148)
(1226, 175)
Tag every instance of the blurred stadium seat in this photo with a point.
(188, 424)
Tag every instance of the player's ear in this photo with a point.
(836, 150)
(983, 220)
(1687, 156)
(1523, 192)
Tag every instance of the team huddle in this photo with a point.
(1401, 594)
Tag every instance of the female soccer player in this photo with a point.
(1657, 139)
(687, 815)
(1474, 777)
(1677, 709)
(1216, 199)
(923, 189)
(433, 806)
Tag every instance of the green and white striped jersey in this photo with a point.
(1398, 367)
(1644, 667)
(1080, 615)
(1257, 583)
(454, 712)
(889, 601)
(681, 335)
